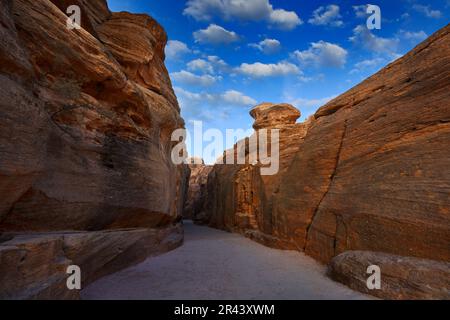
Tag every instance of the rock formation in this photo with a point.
(239, 198)
(401, 277)
(194, 206)
(86, 176)
(368, 173)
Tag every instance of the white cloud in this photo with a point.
(218, 63)
(229, 98)
(204, 106)
(201, 66)
(246, 10)
(363, 37)
(427, 11)
(414, 36)
(189, 78)
(237, 98)
(327, 16)
(176, 49)
(215, 34)
(322, 54)
(368, 64)
(284, 20)
(361, 11)
(307, 106)
(267, 46)
(311, 103)
(208, 65)
(261, 70)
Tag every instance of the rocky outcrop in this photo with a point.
(401, 277)
(196, 197)
(368, 172)
(239, 198)
(34, 266)
(87, 117)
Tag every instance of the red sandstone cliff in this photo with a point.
(85, 171)
(369, 173)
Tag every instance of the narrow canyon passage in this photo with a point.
(213, 264)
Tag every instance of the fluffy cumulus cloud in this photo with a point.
(237, 98)
(322, 54)
(427, 11)
(267, 46)
(363, 37)
(176, 49)
(261, 70)
(246, 10)
(188, 78)
(284, 20)
(327, 16)
(209, 65)
(215, 34)
(413, 36)
(204, 106)
(200, 65)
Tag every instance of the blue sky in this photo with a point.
(225, 56)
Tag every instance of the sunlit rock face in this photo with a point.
(87, 116)
(369, 172)
(239, 197)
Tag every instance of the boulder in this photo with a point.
(401, 277)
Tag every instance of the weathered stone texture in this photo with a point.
(86, 121)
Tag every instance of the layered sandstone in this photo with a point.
(371, 174)
(84, 143)
(367, 173)
(239, 197)
(401, 277)
(196, 197)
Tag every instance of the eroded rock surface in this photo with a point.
(368, 172)
(401, 277)
(239, 197)
(85, 138)
(196, 197)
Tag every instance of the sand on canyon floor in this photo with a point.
(214, 264)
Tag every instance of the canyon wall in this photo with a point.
(196, 196)
(368, 173)
(86, 176)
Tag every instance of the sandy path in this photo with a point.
(213, 264)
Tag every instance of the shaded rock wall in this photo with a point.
(401, 277)
(85, 137)
(196, 197)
